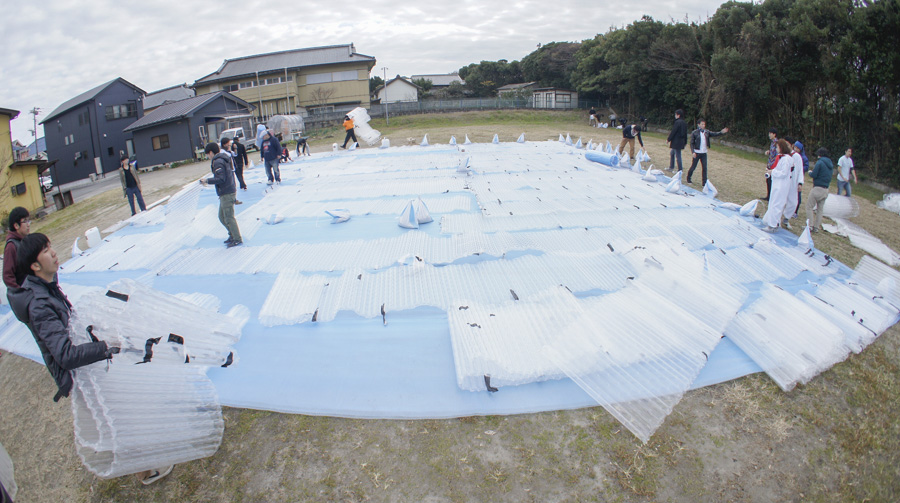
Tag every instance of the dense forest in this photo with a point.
(823, 71)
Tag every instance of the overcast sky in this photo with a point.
(54, 50)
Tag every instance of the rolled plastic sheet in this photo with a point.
(361, 123)
(133, 417)
(791, 341)
(840, 207)
(603, 158)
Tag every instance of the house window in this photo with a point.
(563, 98)
(66, 139)
(230, 88)
(318, 78)
(83, 118)
(321, 110)
(245, 85)
(18, 190)
(160, 142)
(322, 78)
(114, 112)
(110, 151)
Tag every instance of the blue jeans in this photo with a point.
(845, 186)
(674, 155)
(272, 169)
(131, 193)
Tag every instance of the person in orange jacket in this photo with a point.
(348, 126)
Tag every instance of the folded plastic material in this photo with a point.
(361, 123)
(339, 216)
(862, 239)
(674, 185)
(710, 190)
(840, 207)
(424, 141)
(496, 139)
(408, 218)
(749, 208)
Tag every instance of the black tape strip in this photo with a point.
(229, 360)
(148, 350)
(487, 384)
(117, 295)
(177, 339)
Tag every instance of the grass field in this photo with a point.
(835, 439)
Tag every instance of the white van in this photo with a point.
(238, 133)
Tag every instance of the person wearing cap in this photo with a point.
(348, 126)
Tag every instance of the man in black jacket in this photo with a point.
(677, 139)
(45, 310)
(240, 160)
(700, 146)
(223, 179)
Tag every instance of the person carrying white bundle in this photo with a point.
(781, 187)
(43, 307)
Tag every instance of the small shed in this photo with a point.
(551, 97)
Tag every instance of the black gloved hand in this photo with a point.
(112, 351)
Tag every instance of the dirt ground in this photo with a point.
(835, 439)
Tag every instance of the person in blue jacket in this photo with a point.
(223, 178)
(271, 152)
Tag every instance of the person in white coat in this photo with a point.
(790, 208)
(781, 187)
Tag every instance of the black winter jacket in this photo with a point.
(223, 174)
(44, 309)
(695, 138)
(678, 136)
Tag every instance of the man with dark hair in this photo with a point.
(19, 227)
(821, 176)
(676, 140)
(271, 153)
(131, 183)
(629, 133)
(240, 160)
(773, 157)
(45, 310)
(700, 147)
(223, 179)
(348, 126)
(227, 147)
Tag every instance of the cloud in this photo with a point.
(54, 49)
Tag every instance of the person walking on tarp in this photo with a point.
(781, 187)
(700, 147)
(351, 135)
(131, 184)
(821, 177)
(43, 307)
(676, 140)
(271, 152)
(223, 179)
(19, 227)
(629, 133)
(845, 167)
(240, 160)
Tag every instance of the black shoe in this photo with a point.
(763, 198)
(228, 240)
(232, 244)
(690, 182)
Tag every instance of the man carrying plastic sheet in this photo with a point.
(348, 126)
(45, 310)
(226, 189)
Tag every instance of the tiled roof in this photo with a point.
(274, 61)
(169, 94)
(84, 97)
(180, 110)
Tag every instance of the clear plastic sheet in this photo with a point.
(791, 341)
(879, 278)
(872, 314)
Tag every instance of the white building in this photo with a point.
(398, 89)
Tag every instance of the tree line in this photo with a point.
(826, 72)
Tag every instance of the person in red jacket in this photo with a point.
(19, 227)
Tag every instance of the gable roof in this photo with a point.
(279, 61)
(87, 96)
(181, 109)
(516, 86)
(10, 112)
(441, 79)
(404, 79)
(169, 94)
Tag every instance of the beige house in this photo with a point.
(310, 81)
(19, 181)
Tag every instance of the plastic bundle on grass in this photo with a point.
(891, 202)
(861, 239)
(840, 207)
(363, 130)
(879, 278)
(788, 339)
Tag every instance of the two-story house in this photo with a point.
(309, 81)
(85, 134)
